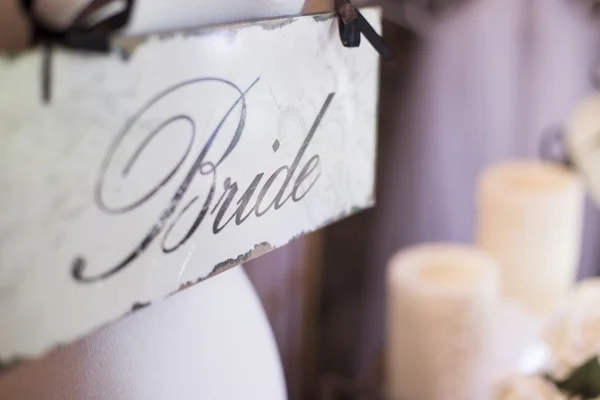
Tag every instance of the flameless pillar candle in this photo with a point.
(441, 302)
(530, 219)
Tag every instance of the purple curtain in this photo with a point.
(478, 85)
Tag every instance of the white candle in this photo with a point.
(530, 219)
(441, 301)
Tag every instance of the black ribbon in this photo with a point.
(352, 23)
(83, 33)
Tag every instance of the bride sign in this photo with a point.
(168, 160)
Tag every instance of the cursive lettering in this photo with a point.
(201, 168)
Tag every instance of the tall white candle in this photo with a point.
(530, 218)
(441, 301)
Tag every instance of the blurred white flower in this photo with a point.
(574, 336)
(528, 387)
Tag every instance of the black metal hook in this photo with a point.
(80, 35)
(352, 23)
(595, 75)
(553, 147)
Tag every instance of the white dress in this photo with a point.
(211, 341)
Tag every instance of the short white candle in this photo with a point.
(441, 302)
(530, 218)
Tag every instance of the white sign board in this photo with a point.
(169, 160)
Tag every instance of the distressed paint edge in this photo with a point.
(125, 45)
(258, 250)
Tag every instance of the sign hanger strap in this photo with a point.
(92, 27)
(352, 23)
(89, 31)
